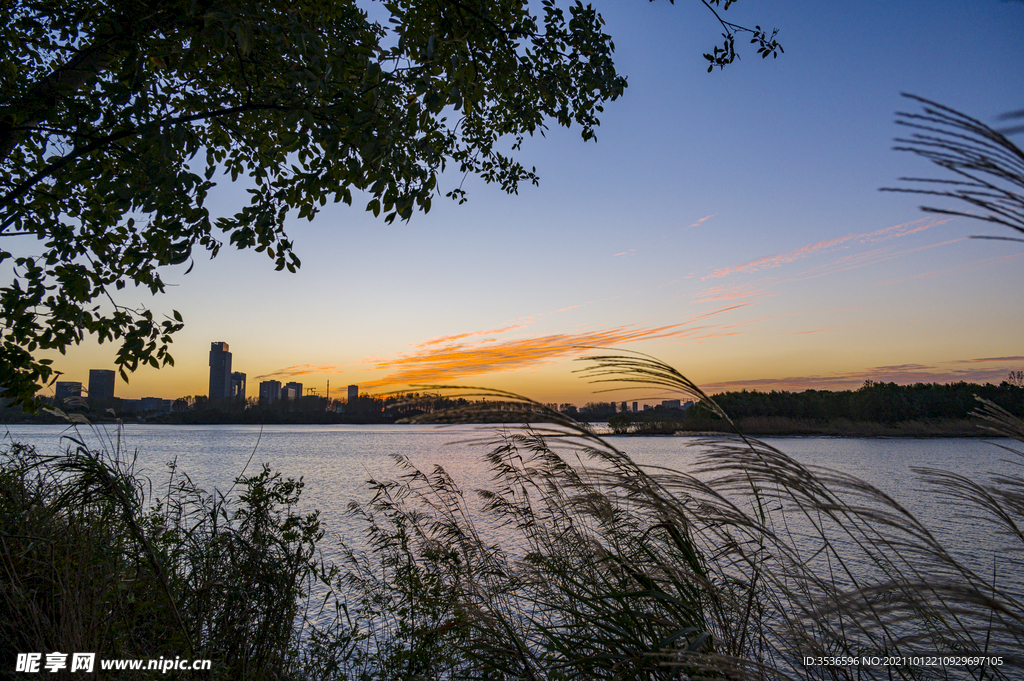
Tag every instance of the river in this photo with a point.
(335, 461)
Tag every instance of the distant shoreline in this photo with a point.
(754, 426)
(768, 426)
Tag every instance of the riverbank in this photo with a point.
(781, 426)
(756, 426)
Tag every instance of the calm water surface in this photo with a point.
(336, 461)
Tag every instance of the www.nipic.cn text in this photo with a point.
(86, 662)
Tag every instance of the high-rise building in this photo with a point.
(353, 394)
(237, 385)
(625, 408)
(66, 389)
(292, 391)
(634, 407)
(270, 391)
(101, 383)
(220, 371)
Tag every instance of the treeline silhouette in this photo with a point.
(879, 402)
(309, 409)
(886, 404)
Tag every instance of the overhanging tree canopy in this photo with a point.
(115, 118)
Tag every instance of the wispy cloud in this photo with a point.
(872, 257)
(723, 293)
(589, 302)
(962, 268)
(460, 336)
(302, 370)
(772, 261)
(631, 251)
(1015, 358)
(942, 372)
(804, 333)
(435, 364)
(885, 234)
(699, 222)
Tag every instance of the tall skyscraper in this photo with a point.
(237, 385)
(353, 394)
(101, 383)
(292, 391)
(220, 371)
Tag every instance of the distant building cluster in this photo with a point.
(665, 404)
(271, 391)
(228, 385)
(99, 396)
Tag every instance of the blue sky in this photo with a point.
(730, 223)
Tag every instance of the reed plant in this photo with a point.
(737, 569)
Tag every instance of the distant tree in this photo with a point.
(115, 118)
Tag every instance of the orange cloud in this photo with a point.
(461, 360)
(460, 336)
(302, 370)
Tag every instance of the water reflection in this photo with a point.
(336, 461)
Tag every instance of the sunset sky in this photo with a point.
(728, 223)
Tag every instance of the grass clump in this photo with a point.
(93, 560)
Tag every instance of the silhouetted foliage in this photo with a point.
(116, 117)
(987, 168)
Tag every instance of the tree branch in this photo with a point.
(42, 99)
(23, 187)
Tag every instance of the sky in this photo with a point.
(730, 224)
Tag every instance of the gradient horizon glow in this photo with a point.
(727, 223)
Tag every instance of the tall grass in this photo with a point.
(736, 569)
